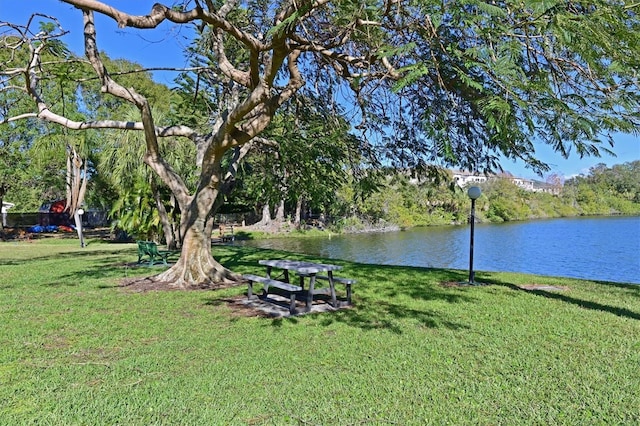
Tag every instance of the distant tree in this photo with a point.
(506, 200)
(556, 181)
(607, 190)
(626, 180)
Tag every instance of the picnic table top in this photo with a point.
(299, 266)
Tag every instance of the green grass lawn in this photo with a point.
(75, 349)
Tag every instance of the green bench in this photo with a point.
(150, 249)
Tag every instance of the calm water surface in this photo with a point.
(605, 248)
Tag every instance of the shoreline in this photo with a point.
(287, 230)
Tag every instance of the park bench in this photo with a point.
(268, 282)
(150, 249)
(348, 282)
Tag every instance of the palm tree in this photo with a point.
(145, 207)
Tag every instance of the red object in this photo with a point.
(53, 213)
(57, 206)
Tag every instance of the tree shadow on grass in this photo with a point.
(630, 287)
(387, 280)
(122, 264)
(243, 258)
(80, 253)
(98, 264)
(110, 265)
(366, 315)
(563, 297)
(383, 295)
(426, 284)
(371, 315)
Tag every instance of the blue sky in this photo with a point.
(164, 46)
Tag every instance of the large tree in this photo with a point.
(457, 82)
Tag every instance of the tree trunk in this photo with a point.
(266, 216)
(76, 187)
(167, 227)
(280, 213)
(298, 213)
(196, 267)
(3, 214)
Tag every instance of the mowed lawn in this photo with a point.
(77, 349)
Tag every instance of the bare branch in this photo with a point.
(240, 77)
(157, 15)
(160, 12)
(19, 117)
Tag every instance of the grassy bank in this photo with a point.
(77, 349)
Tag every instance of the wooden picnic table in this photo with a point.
(306, 269)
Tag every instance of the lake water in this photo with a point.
(602, 248)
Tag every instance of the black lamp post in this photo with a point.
(474, 193)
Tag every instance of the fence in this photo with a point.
(91, 218)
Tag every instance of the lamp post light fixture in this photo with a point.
(474, 193)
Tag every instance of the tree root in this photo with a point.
(188, 274)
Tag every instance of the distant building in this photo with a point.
(546, 187)
(463, 179)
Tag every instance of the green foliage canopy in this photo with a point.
(488, 79)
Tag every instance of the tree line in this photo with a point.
(404, 202)
(322, 195)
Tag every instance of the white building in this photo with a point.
(526, 184)
(464, 179)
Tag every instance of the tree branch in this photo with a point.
(152, 156)
(160, 12)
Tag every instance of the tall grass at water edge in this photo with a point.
(76, 349)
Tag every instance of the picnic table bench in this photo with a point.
(268, 282)
(348, 282)
(303, 270)
(150, 249)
